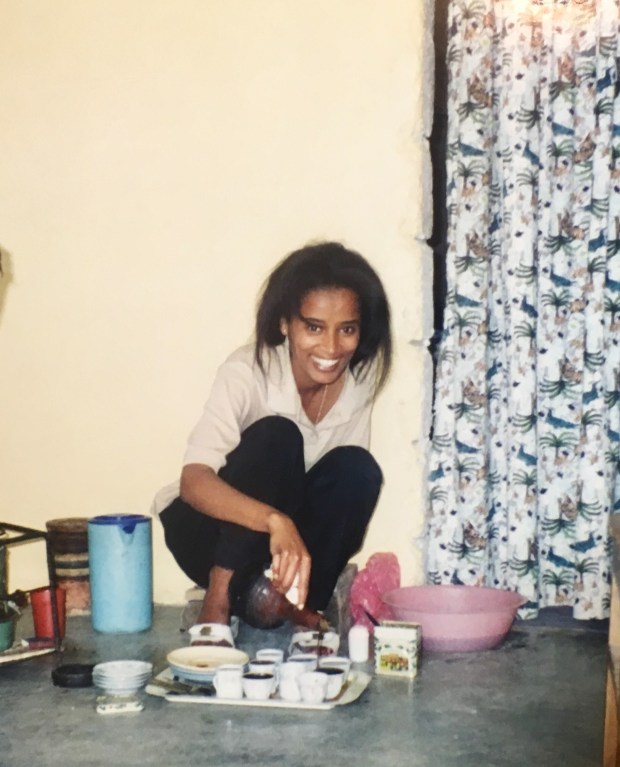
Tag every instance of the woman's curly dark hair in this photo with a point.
(322, 266)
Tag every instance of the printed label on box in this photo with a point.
(397, 647)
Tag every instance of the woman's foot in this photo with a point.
(211, 634)
(216, 603)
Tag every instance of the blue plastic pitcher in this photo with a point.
(121, 573)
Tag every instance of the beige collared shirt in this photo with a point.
(242, 394)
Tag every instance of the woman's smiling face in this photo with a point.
(323, 337)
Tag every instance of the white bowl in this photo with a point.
(122, 677)
(119, 677)
(197, 663)
(102, 675)
(120, 689)
(123, 668)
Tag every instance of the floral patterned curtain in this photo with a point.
(526, 432)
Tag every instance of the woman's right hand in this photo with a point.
(206, 492)
(289, 556)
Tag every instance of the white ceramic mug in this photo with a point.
(265, 666)
(306, 659)
(257, 685)
(270, 653)
(337, 661)
(289, 690)
(227, 682)
(335, 680)
(291, 669)
(313, 686)
(289, 675)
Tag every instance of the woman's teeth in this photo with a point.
(325, 365)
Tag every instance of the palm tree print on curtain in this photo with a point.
(524, 460)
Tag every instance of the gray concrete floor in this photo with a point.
(537, 700)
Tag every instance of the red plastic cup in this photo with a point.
(40, 600)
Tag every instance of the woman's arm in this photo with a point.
(206, 492)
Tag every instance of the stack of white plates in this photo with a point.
(122, 677)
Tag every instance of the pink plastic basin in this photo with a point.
(456, 618)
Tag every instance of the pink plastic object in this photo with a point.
(456, 618)
(381, 574)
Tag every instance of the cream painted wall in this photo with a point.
(157, 158)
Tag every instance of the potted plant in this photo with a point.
(9, 613)
(10, 605)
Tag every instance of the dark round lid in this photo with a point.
(73, 675)
(68, 525)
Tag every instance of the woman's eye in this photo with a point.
(350, 330)
(312, 328)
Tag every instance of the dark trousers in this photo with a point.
(331, 506)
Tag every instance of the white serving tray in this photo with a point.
(357, 683)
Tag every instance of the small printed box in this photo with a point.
(397, 648)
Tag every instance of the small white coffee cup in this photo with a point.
(270, 653)
(227, 681)
(265, 666)
(313, 686)
(289, 690)
(336, 661)
(258, 685)
(289, 675)
(335, 680)
(291, 669)
(306, 659)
